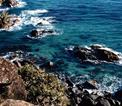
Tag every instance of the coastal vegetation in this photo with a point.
(6, 20)
(25, 83)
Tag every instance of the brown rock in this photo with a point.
(10, 102)
(11, 83)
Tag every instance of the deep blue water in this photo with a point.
(79, 22)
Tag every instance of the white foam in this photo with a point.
(110, 83)
(30, 17)
(4, 9)
(35, 12)
(21, 3)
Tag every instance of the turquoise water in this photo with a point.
(79, 22)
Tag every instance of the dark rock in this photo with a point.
(9, 3)
(90, 85)
(83, 53)
(105, 55)
(40, 32)
(94, 97)
(34, 33)
(112, 102)
(47, 65)
(103, 102)
(95, 53)
(118, 95)
(69, 82)
(87, 101)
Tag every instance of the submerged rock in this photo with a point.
(95, 53)
(40, 32)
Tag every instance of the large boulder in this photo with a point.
(106, 55)
(11, 102)
(11, 84)
(95, 52)
(83, 53)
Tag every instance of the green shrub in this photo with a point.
(43, 87)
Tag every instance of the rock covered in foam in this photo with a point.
(95, 52)
(40, 32)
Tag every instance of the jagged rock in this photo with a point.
(11, 84)
(90, 85)
(11, 102)
(83, 53)
(9, 3)
(95, 53)
(87, 101)
(105, 55)
(103, 102)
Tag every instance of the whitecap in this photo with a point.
(4, 9)
(21, 4)
(34, 12)
(30, 17)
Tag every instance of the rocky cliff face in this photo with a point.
(11, 84)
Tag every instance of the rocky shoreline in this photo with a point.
(24, 83)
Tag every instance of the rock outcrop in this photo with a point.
(86, 94)
(8, 3)
(95, 53)
(40, 32)
(11, 84)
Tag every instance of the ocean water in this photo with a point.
(76, 22)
